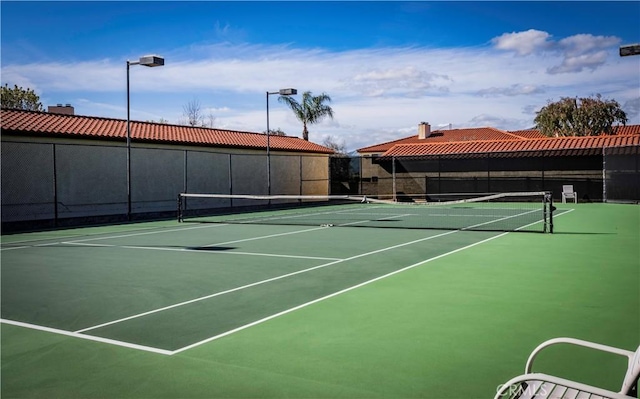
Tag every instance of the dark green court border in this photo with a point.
(454, 328)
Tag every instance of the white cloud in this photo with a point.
(584, 51)
(513, 90)
(579, 52)
(379, 94)
(579, 62)
(407, 80)
(632, 108)
(584, 43)
(523, 43)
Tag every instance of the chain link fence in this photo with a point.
(621, 173)
(49, 185)
(597, 175)
(54, 184)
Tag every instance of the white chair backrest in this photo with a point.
(633, 373)
(567, 189)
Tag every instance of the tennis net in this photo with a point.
(524, 211)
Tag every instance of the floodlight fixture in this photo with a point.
(630, 49)
(151, 61)
(288, 92)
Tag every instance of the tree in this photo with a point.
(161, 121)
(591, 116)
(19, 98)
(209, 121)
(312, 109)
(275, 132)
(338, 147)
(192, 111)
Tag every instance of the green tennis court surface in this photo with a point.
(224, 310)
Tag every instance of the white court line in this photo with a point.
(12, 248)
(330, 295)
(510, 217)
(264, 282)
(80, 333)
(199, 251)
(77, 334)
(57, 239)
(147, 233)
(378, 219)
(263, 237)
(88, 337)
(284, 312)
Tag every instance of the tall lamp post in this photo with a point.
(282, 92)
(148, 61)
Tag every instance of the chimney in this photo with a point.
(66, 109)
(424, 130)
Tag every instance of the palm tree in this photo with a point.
(310, 111)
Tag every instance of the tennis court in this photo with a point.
(327, 309)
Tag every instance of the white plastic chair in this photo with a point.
(537, 385)
(568, 193)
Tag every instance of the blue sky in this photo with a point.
(387, 65)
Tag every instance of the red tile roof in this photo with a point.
(532, 145)
(528, 134)
(469, 134)
(43, 123)
(486, 139)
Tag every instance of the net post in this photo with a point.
(548, 212)
(179, 213)
(393, 178)
(604, 174)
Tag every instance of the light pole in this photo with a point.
(149, 61)
(282, 92)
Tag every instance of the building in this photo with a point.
(485, 159)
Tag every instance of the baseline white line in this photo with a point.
(87, 337)
(330, 296)
(263, 282)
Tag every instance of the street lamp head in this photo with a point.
(288, 92)
(630, 49)
(151, 60)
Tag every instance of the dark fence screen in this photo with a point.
(596, 174)
(621, 171)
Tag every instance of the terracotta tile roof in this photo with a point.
(535, 133)
(44, 123)
(528, 134)
(453, 135)
(487, 139)
(531, 147)
(631, 129)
